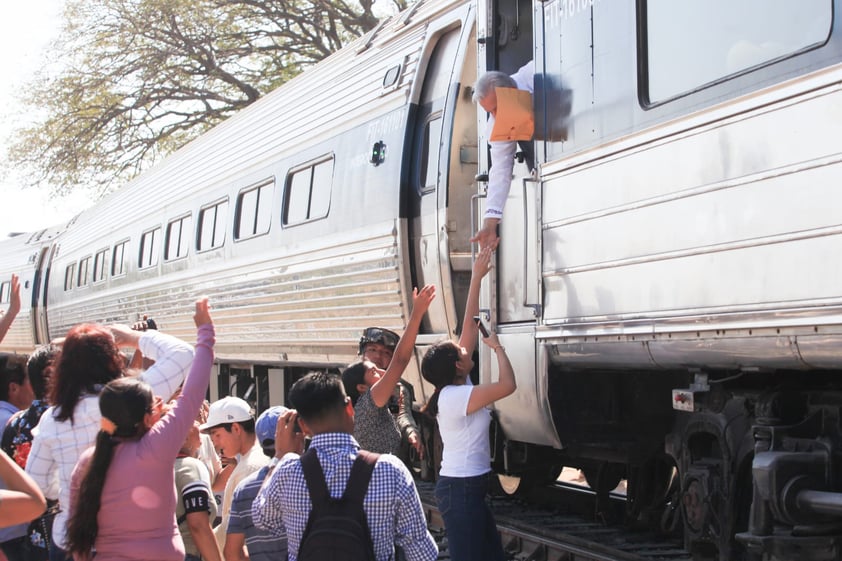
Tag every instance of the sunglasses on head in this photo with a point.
(379, 335)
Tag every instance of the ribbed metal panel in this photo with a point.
(305, 307)
(295, 295)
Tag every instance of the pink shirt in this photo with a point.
(137, 515)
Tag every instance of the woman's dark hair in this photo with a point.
(89, 356)
(353, 375)
(37, 364)
(439, 368)
(125, 402)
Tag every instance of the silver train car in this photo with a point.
(667, 282)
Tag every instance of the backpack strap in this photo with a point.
(357, 485)
(360, 477)
(315, 477)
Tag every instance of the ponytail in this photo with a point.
(123, 404)
(82, 527)
(438, 367)
(431, 409)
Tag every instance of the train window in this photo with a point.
(697, 42)
(254, 211)
(118, 259)
(211, 231)
(99, 265)
(84, 268)
(150, 243)
(5, 292)
(320, 194)
(70, 277)
(298, 196)
(307, 194)
(430, 156)
(178, 238)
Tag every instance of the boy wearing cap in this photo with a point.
(230, 425)
(260, 544)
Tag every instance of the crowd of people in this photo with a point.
(110, 457)
(106, 460)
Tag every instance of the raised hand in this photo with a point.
(202, 315)
(482, 264)
(421, 299)
(14, 296)
(487, 236)
(288, 435)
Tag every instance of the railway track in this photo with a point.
(534, 532)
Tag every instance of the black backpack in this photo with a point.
(337, 529)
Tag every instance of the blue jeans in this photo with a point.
(471, 531)
(16, 549)
(58, 554)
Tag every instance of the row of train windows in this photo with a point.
(306, 198)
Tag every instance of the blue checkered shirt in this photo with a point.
(391, 504)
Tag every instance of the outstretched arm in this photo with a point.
(22, 500)
(486, 236)
(486, 394)
(482, 265)
(497, 191)
(14, 307)
(171, 355)
(168, 433)
(383, 388)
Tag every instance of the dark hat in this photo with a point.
(388, 339)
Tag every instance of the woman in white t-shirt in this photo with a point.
(461, 411)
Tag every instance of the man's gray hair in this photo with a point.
(490, 80)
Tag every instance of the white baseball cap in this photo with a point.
(227, 410)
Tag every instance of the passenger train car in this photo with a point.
(667, 282)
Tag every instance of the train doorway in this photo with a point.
(40, 284)
(506, 30)
(443, 165)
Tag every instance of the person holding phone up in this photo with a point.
(461, 410)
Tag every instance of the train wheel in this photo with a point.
(528, 480)
(653, 498)
(508, 484)
(604, 477)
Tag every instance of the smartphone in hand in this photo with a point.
(482, 325)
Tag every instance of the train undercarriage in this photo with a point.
(748, 473)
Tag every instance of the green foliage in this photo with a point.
(139, 78)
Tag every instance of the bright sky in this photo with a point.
(26, 30)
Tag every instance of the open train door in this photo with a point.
(443, 164)
(40, 284)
